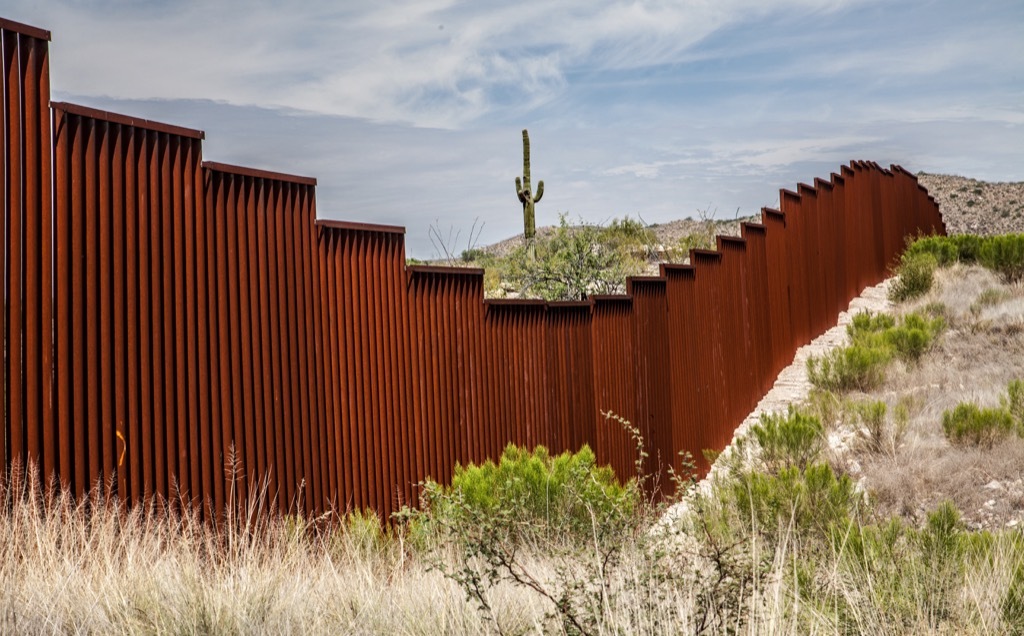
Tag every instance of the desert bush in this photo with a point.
(875, 339)
(578, 260)
(970, 425)
(915, 574)
(808, 503)
(913, 336)
(529, 493)
(872, 416)
(830, 408)
(915, 275)
(854, 367)
(791, 439)
(942, 248)
(1004, 254)
(1013, 402)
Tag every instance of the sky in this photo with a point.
(410, 113)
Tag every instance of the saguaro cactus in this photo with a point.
(527, 198)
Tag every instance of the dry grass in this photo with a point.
(98, 568)
(979, 354)
(95, 567)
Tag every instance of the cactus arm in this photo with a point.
(519, 190)
(540, 191)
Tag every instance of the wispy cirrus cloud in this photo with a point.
(433, 63)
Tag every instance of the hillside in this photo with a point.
(971, 206)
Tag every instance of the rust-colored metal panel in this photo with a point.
(211, 337)
(26, 383)
(654, 390)
(615, 380)
(680, 343)
(571, 414)
(112, 270)
(707, 350)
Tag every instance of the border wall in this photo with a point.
(189, 330)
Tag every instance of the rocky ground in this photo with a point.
(970, 206)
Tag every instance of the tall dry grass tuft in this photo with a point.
(96, 567)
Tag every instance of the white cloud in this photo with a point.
(430, 63)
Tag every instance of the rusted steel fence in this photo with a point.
(189, 330)
(25, 189)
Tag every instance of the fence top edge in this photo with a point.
(514, 302)
(804, 189)
(675, 268)
(772, 212)
(823, 184)
(569, 304)
(356, 226)
(426, 270)
(611, 298)
(724, 239)
(127, 120)
(713, 254)
(258, 173)
(25, 29)
(786, 193)
(750, 226)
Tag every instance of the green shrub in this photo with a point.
(579, 260)
(473, 255)
(855, 367)
(914, 573)
(914, 277)
(1013, 403)
(875, 339)
(812, 502)
(968, 246)
(942, 248)
(970, 425)
(793, 439)
(1004, 254)
(872, 415)
(913, 336)
(527, 493)
(865, 328)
